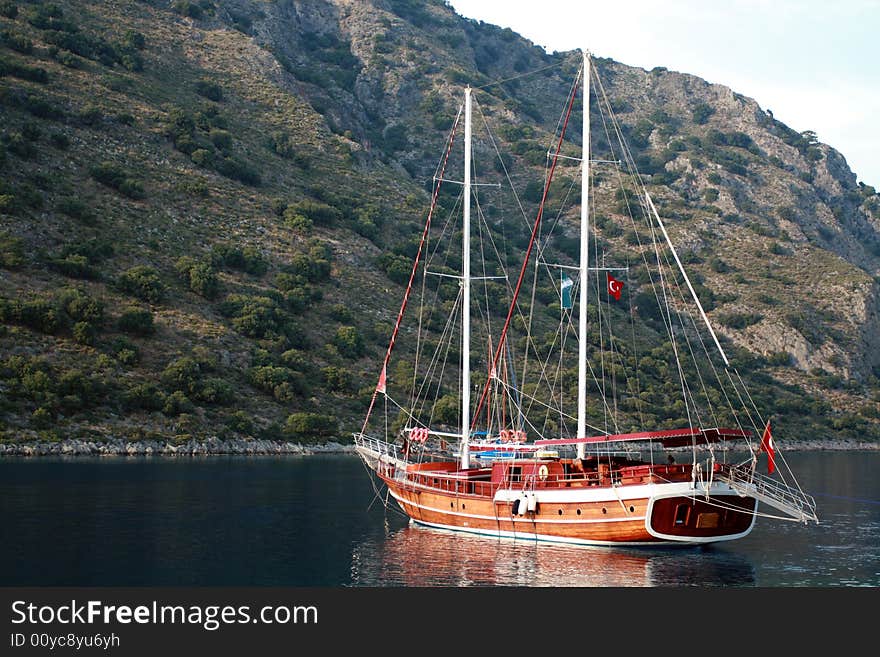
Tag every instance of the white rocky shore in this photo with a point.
(216, 446)
(192, 447)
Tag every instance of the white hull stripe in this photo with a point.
(520, 519)
(543, 538)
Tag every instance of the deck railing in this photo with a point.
(792, 501)
(379, 447)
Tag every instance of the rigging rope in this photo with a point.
(414, 270)
(525, 261)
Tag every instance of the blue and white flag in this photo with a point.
(567, 284)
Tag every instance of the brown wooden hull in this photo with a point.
(642, 515)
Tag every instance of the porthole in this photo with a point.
(560, 511)
(452, 505)
(604, 510)
(462, 505)
(579, 512)
(632, 509)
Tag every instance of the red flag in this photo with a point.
(380, 387)
(614, 287)
(767, 446)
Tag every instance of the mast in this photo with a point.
(584, 256)
(466, 290)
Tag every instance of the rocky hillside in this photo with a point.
(206, 206)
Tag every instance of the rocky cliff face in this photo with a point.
(251, 162)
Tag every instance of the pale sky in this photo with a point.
(813, 63)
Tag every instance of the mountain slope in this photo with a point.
(208, 209)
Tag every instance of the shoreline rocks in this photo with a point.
(218, 447)
(192, 447)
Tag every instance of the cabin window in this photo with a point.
(682, 513)
(515, 475)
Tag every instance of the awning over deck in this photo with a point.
(669, 438)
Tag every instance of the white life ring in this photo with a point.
(543, 472)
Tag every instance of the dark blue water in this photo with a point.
(315, 521)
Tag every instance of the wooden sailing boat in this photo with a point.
(502, 470)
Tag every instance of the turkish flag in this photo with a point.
(614, 287)
(767, 446)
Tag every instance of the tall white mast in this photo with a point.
(466, 290)
(585, 250)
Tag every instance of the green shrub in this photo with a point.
(84, 333)
(209, 90)
(76, 209)
(319, 213)
(254, 316)
(200, 276)
(285, 145)
(143, 282)
(310, 427)
(336, 379)
(74, 266)
(133, 39)
(240, 422)
(136, 321)
(297, 221)
(59, 140)
(92, 116)
(398, 268)
(17, 144)
(42, 315)
(79, 306)
(248, 259)
(11, 251)
(304, 268)
(125, 351)
(237, 169)
(222, 139)
(116, 178)
(147, 396)
(349, 342)
(42, 418)
(188, 8)
(215, 391)
(176, 403)
(184, 374)
(201, 157)
(16, 70)
(740, 320)
(187, 375)
(17, 42)
(281, 382)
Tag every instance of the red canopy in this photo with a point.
(669, 438)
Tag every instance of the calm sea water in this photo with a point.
(316, 521)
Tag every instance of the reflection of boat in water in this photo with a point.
(418, 556)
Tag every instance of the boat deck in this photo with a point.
(539, 474)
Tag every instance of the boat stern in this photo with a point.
(695, 517)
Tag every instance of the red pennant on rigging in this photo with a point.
(767, 446)
(380, 387)
(614, 287)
